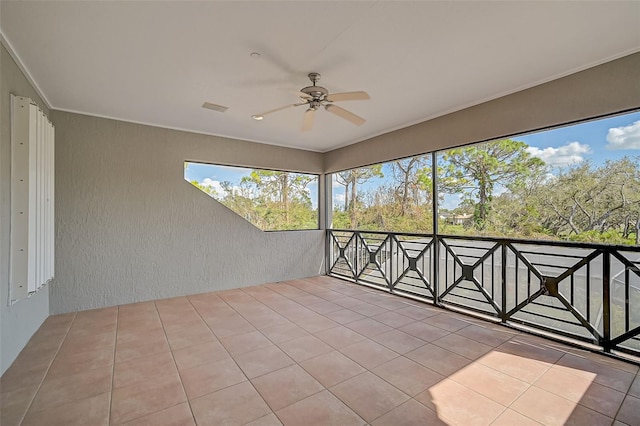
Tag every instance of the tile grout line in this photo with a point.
(608, 387)
(327, 388)
(232, 358)
(533, 385)
(275, 344)
(274, 412)
(358, 375)
(170, 350)
(48, 367)
(175, 364)
(621, 404)
(261, 303)
(599, 364)
(507, 407)
(367, 370)
(403, 355)
(267, 337)
(113, 368)
(313, 334)
(135, 359)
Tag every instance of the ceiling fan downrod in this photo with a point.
(316, 93)
(314, 77)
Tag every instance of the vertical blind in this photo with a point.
(32, 198)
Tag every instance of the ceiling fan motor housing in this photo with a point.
(315, 92)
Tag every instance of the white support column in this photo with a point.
(328, 203)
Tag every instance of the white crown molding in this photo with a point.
(14, 55)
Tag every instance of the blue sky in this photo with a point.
(211, 175)
(200, 172)
(599, 140)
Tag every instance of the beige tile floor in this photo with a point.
(306, 352)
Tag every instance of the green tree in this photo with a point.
(408, 176)
(270, 200)
(206, 189)
(586, 200)
(350, 179)
(281, 189)
(476, 170)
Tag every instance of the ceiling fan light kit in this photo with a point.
(315, 96)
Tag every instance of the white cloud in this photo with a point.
(338, 198)
(565, 155)
(499, 190)
(213, 184)
(624, 137)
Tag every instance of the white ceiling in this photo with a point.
(157, 62)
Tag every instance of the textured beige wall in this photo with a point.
(605, 89)
(130, 228)
(20, 321)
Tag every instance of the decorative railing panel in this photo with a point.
(470, 274)
(625, 300)
(412, 265)
(587, 292)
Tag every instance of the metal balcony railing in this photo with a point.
(587, 292)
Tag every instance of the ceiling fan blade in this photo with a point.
(274, 110)
(348, 96)
(347, 115)
(307, 122)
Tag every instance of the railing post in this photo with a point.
(606, 300)
(356, 255)
(325, 211)
(391, 281)
(435, 258)
(436, 239)
(503, 275)
(327, 251)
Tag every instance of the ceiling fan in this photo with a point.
(315, 97)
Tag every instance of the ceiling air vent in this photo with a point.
(214, 107)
